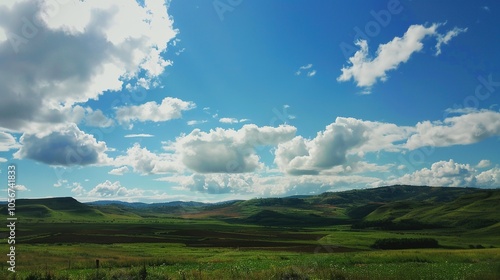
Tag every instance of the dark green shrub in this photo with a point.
(405, 243)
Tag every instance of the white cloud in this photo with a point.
(78, 190)
(228, 120)
(483, 163)
(228, 151)
(489, 178)
(366, 71)
(21, 188)
(119, 171)
(331, 147)
(180, 51)
(458, 130)
(310, 73)
(218, 151)
(257, 184)
(215, 183)
(309, 184)
(232, 120)
(195, 122)
(145, 162)
(66, 147)
(449, 174)
(3, 159)
(344, 143)
(90, 117)
(138, 135)
(442, 173)
(444, 39)
(7, 142)
(72, 51)
(60, 182)
(108, 189)
(97, 118)
(170, 108)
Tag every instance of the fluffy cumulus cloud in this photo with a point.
(489, 178)
(483, 163)
(65, 147)
(217, 183)
(310, 184)
(228, 151)
(108, 189)
(170, 108)
(146, 162)
(119, 171)
(450, 174)
(67, 52)
(331, 147)
(78, 190)
(97, 118)
(457, 130)
(266, 184)
(366, 71)
(442, 173)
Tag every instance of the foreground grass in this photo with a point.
(174, 261)
(321, 257)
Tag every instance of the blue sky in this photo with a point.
(215, 100)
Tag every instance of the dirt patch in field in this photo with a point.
(99, 239)
(267, 239)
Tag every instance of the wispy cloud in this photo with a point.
(59, 183)
(306, 68)
(138, 135)
(366, 71)
(21, 188)
(444, 39)
(180, 51)
(195, 122)
(232, 120)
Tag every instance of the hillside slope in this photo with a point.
(392, 207)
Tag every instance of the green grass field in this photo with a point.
(205, 249)
(307, 238)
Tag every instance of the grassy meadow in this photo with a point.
(329, 236)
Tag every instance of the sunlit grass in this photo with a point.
(77, 261)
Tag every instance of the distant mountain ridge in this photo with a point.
(142, 204)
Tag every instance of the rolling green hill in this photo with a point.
(54, 209)
(393, 207)
(471, 210)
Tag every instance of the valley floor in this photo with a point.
(205, 249)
